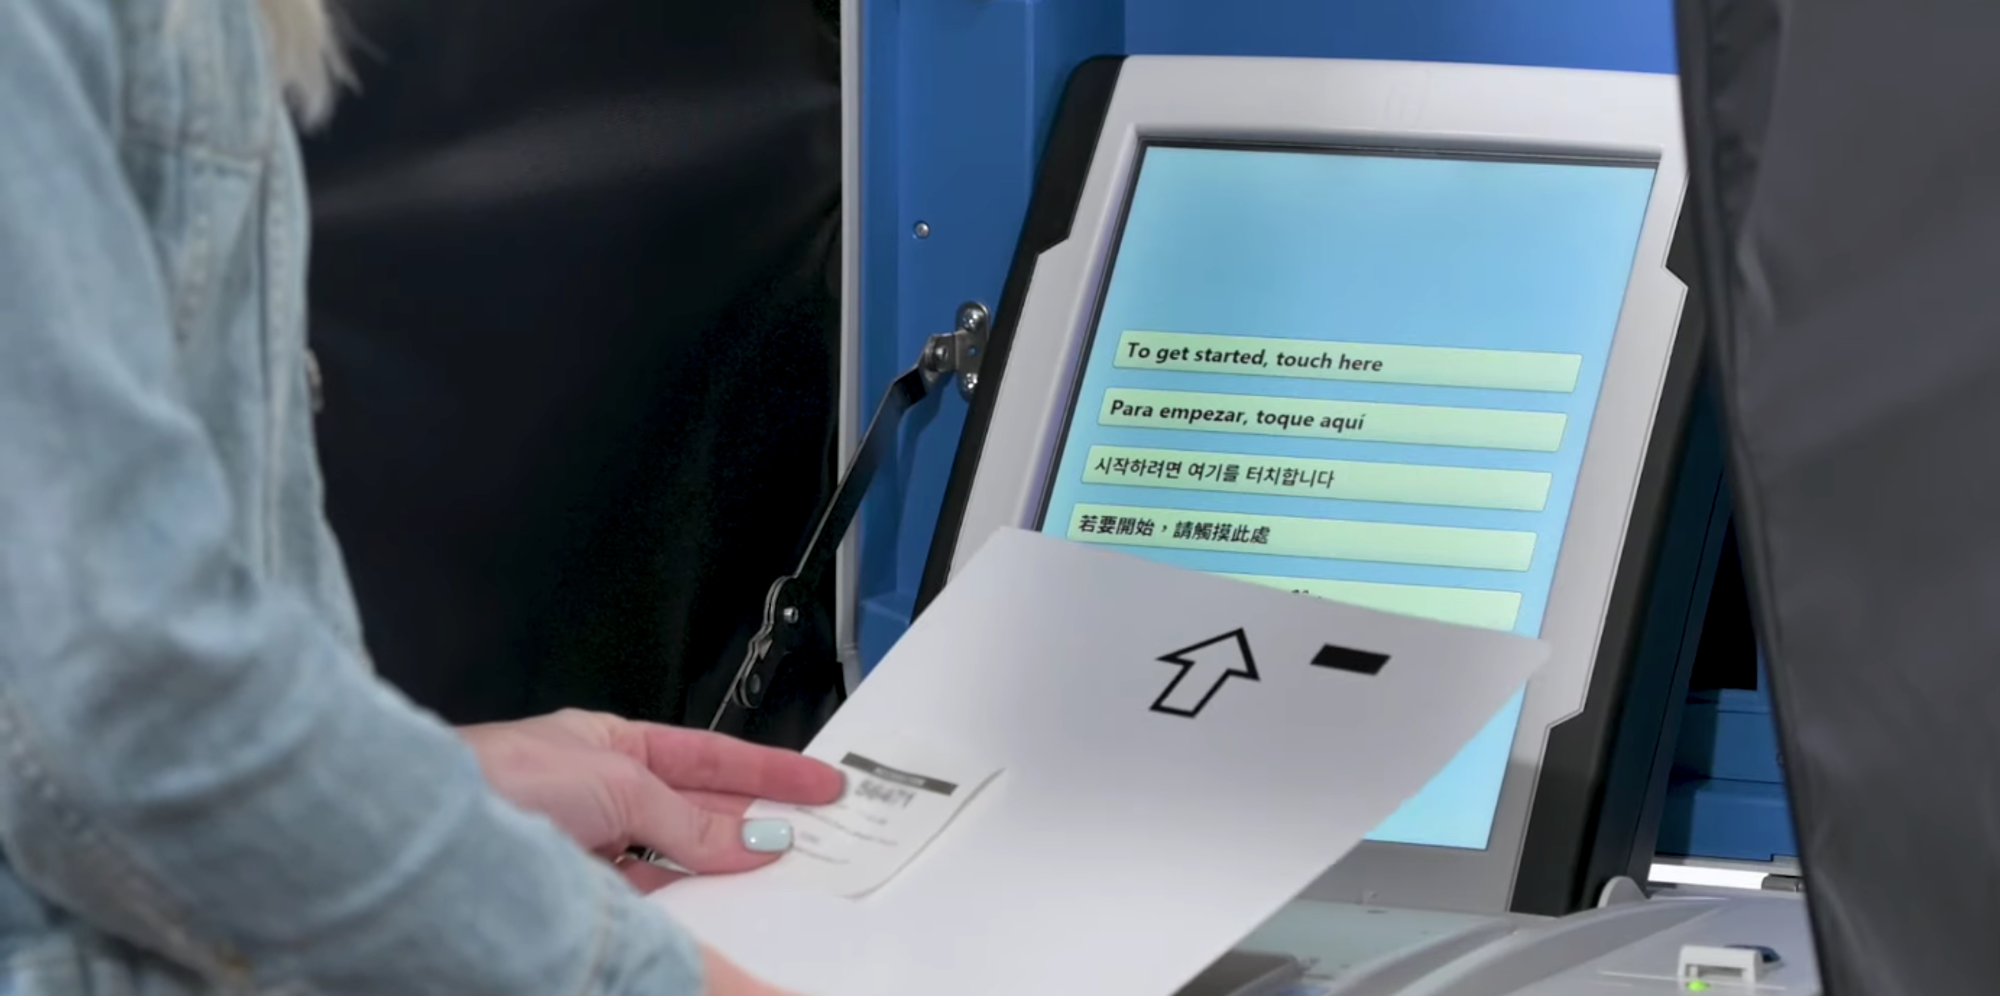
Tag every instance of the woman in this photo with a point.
(201, 786)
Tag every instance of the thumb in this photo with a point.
(701, 840)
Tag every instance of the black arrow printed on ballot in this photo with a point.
(1207, 665)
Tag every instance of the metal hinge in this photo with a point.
(959, 352)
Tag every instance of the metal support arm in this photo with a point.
(782, 631)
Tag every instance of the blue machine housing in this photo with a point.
(956, 98)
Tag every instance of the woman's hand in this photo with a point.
(613, 784)
(723, 978)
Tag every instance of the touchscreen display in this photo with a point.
(1364, 376)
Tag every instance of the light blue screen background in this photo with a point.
(1436, 251)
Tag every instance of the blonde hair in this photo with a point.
(306, 55)
(303, 39)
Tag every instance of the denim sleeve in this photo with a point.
(188, 758)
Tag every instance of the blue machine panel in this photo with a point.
(1727, 798)
(957, 96)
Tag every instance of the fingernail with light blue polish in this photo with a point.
(767, 836)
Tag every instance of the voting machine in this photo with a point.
(1405, 336)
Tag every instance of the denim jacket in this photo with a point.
(203, 787)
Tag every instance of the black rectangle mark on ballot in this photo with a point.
(886, 773)
(1355, 661)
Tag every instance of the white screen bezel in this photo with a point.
(1348, 103)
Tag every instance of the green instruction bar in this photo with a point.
(1284, 416)
(1366, 541)
(1495, 609)
(1458, 367)
(1383, 482)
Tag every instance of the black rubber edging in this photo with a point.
(1051, 213)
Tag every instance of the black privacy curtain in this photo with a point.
(1845, 160)
(573, 288)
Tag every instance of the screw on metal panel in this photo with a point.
(972, 316)
(753, 684)
(790, 615)
(922, 230)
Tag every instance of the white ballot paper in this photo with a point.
(1084, 773)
